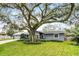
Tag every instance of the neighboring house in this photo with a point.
(3, 35)
(54, 35)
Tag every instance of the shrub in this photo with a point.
(77, 39)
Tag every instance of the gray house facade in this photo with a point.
(54, 35)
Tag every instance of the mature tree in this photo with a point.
(35, 15)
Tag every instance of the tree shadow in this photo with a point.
(38, 42)
(51, 41)
(74, 44)
(32, 43)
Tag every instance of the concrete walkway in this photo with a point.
(6, 41)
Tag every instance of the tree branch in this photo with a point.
(35, 18)
(35, 6)
(22, 11)
(41, 12)
(23, 5)
(71, 10)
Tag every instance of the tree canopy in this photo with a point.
(31, 16)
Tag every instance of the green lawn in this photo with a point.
(18, 48)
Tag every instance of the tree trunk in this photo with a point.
(32, 36)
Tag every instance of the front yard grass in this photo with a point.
(18, 48)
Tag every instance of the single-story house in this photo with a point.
(53, 35)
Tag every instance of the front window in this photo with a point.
(56, 35)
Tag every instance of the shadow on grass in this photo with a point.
(19, 40)
(38, 42)
(74, 44)
(32, 43)
(51, 41)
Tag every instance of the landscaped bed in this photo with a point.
(18, 48)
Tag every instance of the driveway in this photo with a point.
(6, 41)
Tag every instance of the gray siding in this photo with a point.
(60, 36)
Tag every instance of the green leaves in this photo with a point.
(74, 31)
